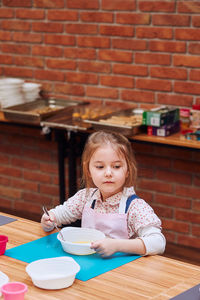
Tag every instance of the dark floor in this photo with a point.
(182, 253)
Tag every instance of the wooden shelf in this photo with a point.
(173, 140)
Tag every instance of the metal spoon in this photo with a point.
(47, 213)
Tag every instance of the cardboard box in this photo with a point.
(166, 130)
(159, 117)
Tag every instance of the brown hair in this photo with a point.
(120, 143)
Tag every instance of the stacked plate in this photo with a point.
(31, 91)
(11, 92)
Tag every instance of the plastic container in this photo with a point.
(14, 290)
(78, 240)
(3, 279)
(3, 242)
(53, 273)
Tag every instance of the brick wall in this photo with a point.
(142, 52)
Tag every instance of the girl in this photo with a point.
(108, 202)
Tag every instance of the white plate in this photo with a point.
(3, 279)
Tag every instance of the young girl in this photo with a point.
(108, 202)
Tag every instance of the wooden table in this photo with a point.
(153, 277)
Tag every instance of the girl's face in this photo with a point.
(108, 170)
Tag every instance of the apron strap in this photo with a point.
(129, 200)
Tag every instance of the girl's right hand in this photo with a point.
(47, 222)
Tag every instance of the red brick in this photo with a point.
(175, 226)
(62, 15)
(47, 51)
(187, 166)
(30, 14)
(80, 53)
(10, 193)
(163, 46)
(49, 189)
(82, 78)
(101, 92)
(49, 3)
(188, 241)
(47, 27)
(27, 37)
(49, 168)
(96, 17)
(171, 20)
(61, 64)
(6, 13)
(117, 81)
(196, 205)
(114, 30)
(161, 162)
(130, 69)
(24, 185)
(170, 73)
(154, 33)
(69, 89)
(196, 230)
(170, 237)
(4, 181)
(188, 6)
(188, 216)
(157, 6)
(15, 25)
(197, 180)
(145, 172)
(163, 212)
(10, 171)
(81, 28)
(49, 75)
(17, 3)
(187, 34)
(137, 96)
(82, 4)
(119, 5)
(187, 87)
(97, 67)
(173, 201)
(21, 206)
(18, 72)
(151, 185)
(152, 58)
(64, 40)
(187, 191)
(195, 21)
(6, 59)
(94, 42)
(169, 99)
(28, 197)
(15, 48)
(186, 60)
(133, 18)
(113, 55)
(154, 84)
(29, 61)
(194, 48)
(24, 163)
(37, 176)
(5, 36)
(129, 44)
(195, 75)
(172, 176)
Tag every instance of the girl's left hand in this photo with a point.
(105, 247)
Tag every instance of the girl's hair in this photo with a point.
(119, 143)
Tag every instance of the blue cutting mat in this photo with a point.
(48, 246)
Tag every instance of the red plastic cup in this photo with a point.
(3, 242)
(14, 290)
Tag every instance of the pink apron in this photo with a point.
(114, 225)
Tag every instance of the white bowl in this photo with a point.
(3, 279)
(77, 240)
(53, 273)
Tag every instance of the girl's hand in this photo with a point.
(47, 222)
(105, 247)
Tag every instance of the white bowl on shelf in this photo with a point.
(53, 273)
(77, 240)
